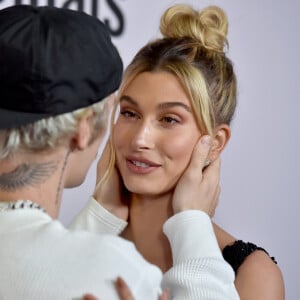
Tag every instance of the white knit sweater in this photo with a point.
(42, 260)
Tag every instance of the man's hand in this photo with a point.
(89, 297)
(124, 292)
(198, 188)
(111, 194)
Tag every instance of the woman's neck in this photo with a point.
(146, 218)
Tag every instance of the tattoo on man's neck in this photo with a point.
(27, 175)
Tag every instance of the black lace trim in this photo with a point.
(236, 253)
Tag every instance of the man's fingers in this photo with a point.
(215, 202)
(89, 297)
(210, 180)
(213, 170)
(200, 154)
(164, 295)
(123, 290)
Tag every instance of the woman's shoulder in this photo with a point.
(259, 277)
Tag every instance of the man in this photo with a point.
(58, 68)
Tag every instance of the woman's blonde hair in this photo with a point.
(51, 132)
(193, 49)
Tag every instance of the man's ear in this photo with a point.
(222, 135)
(81, 138)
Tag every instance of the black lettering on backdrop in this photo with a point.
(95, 8)
(119, 30)
(79, 5)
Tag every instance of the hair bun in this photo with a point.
(208, 27)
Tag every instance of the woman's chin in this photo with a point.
(149, 192)
(140, 189)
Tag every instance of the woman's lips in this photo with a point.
(140, 166)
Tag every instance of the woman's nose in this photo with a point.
(144, 137)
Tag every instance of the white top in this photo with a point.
(42, 260)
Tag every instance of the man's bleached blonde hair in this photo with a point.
(51, 132)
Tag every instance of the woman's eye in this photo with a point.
(170, 120)
(128, 114)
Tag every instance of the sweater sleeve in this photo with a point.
(95, 218)
(199, 270)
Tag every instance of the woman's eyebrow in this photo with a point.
(160, 106)
(166, 105)
(128, 99)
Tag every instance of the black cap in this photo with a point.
(53, 61)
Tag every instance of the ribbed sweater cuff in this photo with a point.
(191, 235)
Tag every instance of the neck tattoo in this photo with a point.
(59, 187)
(27, 175)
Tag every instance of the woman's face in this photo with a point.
(155, 133)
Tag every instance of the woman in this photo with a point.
(177, 89)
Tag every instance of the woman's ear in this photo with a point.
(82, 137)
(221, 137)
